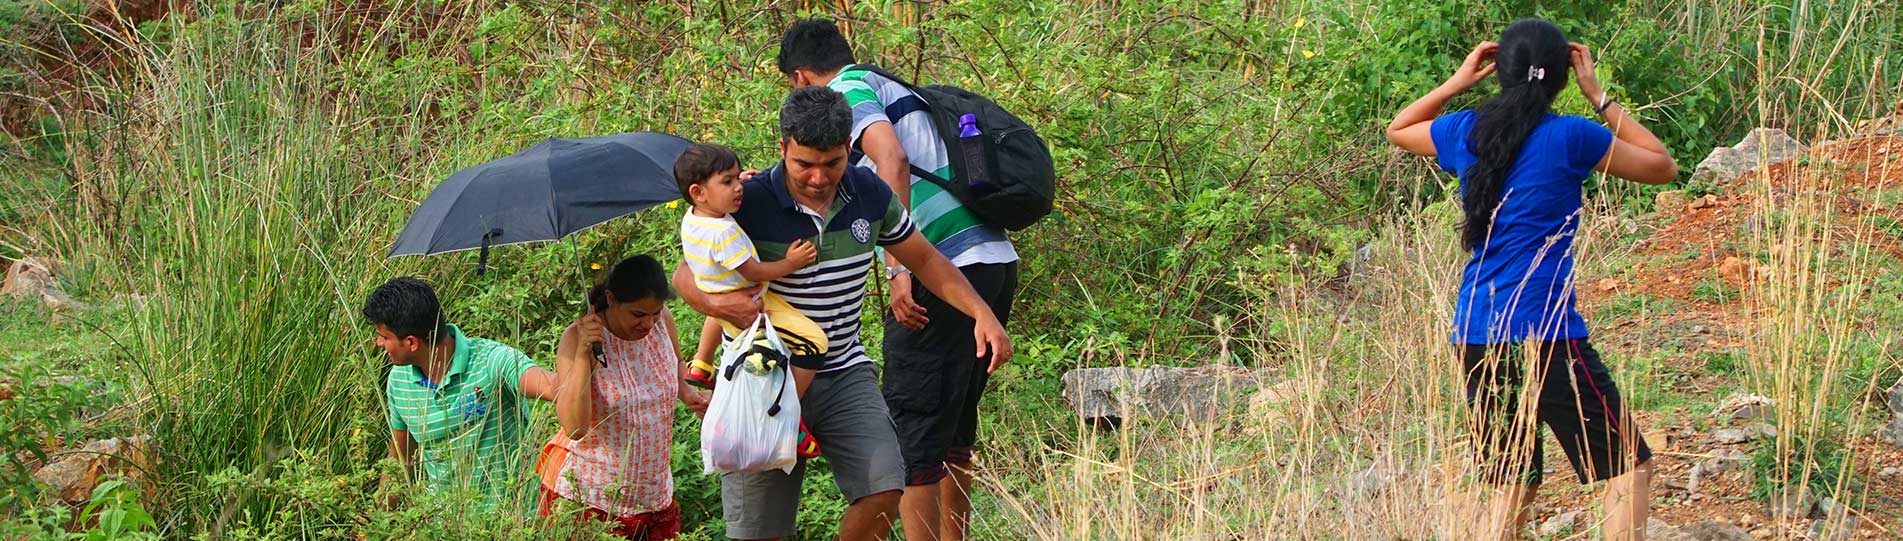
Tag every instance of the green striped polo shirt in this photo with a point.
(945, 222)
(468, 427)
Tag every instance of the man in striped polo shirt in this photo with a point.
(932, 383)
(458, 405)
(845, 211)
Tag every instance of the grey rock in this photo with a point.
(1836, 522)
(1763, 146)
(1879, 126)
(35, 279)
(1711, 530)
(1658, 530)
(1760, 431)
(1731, 435)
(1893, 432)
(1722, 460)
(1895, 399)
(1746, 407)
(1104, 396)
(27, 277)
(1790, 503)
(1561, 523)
(73, 477)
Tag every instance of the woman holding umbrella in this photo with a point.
(617, 412)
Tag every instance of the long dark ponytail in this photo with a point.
(1531, 66)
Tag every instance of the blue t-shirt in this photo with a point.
(1519, 285)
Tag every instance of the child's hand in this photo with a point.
(747, 174)
(803, 252)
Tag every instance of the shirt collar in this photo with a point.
(458, 364)
(776, 183)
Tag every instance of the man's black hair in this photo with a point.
(816, 117)
(407, 306)
(814, 44)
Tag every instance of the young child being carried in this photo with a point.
(723, 259)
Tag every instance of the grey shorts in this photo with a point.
(847, 415)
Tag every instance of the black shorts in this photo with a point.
(1577, 400)
(934, 378)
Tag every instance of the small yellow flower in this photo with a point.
(594, 266)
(674, 204)
(1308, 54)
(1299, 22)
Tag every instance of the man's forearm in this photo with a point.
(946, 281)
(690, 293)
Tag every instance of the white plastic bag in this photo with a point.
(738, 434)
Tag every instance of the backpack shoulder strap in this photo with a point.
(876, 70)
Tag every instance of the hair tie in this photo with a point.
(1535, 73)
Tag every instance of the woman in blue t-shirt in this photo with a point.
(1521, 168)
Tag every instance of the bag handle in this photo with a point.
(730, 360)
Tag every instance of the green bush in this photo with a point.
(41, 412)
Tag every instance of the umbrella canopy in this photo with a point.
(544, 193)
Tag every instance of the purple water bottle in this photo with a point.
(971, 146)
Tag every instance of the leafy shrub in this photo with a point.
(43, 410)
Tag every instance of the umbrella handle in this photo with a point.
(482, 261)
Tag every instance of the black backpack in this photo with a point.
(1021, 174)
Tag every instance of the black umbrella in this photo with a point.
(551, 190)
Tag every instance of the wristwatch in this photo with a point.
(893, 271)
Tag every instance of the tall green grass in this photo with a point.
(253, 255)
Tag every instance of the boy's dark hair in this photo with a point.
(814, 44)
(816, 117)
(699, 162)
(635, 278)
(407, 306)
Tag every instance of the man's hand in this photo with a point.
(904, 307)
(738, 307)
(990, 338)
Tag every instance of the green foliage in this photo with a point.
(1721, 362)
(112, 513)
(366, 503)
(116, 514)
(1714, 291)
(40, 412)
(1820, 465)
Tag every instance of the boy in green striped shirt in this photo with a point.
(457, 404)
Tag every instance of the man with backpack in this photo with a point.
(933, 374)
